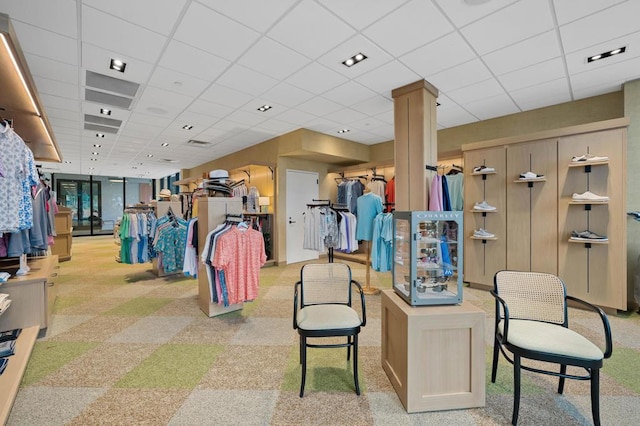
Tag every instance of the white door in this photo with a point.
(302, 188)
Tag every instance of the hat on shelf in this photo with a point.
(220, 175)
(165, 193)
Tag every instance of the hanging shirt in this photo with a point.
(435, 197)
(369, 206)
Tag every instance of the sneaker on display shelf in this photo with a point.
(482, 233)
(483, 206)
(530, 176)
(589, 196)
(587, 236)
(483, 169)
(588, 158)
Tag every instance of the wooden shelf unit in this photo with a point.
(63, 240)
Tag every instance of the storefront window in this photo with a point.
(138, 191)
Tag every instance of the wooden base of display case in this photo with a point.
(434, 356)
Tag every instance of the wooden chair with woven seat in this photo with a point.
(531, 322)
(322, 308)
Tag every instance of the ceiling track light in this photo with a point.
(97, 145)
(164, 144)
(99, 135)
(264, 108)
(343, 131)
(117, 65)
(358, 57)
(607, 54)
(105, 111)
(149, 155)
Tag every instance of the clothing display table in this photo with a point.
(434, 356)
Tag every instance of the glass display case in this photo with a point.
(427, 267)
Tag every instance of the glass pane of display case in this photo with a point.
(427, 267)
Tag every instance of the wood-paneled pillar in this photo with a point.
(416, 143)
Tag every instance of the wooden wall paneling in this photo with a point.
(532, 207)
(483, 258)
(596, 274)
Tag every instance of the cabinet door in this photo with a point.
(597, 274)
(483, 258)
(532, 207)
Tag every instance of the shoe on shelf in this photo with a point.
(482, 233)
(635, 215)
(587, 236)
(483, 169)
(588, 158)
(483, 206)
(589, 196)
(530, 175)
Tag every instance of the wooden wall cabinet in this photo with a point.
(434, 356)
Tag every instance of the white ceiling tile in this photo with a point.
(58, 102)
(496, 106)
(533, 75)
(462, 13)
(45, 43)
(357, 44)
(408, 27)
(388, 77)
(375, 105)
(485, 89)
(164, 98)
(273, 59)
(177, 82)
(295, 116)
(246, 80)
(611, 23)
(361, 13)
(605, 76)
(195, 62)
(62, 113)
(140, 131)
(597, 89)
(368, 123)
(439, 55)
(248, 118)
(277, 127)
(209, 109)
(205, 29)
(40, 13)
(536, 49)
(516, 22)
(129, 39)
(310, 29)
(200, 121)
(455, 116)
(566, 11)
(56, 88)
(225, 96)
(387, 116)
(316, 78)
(149, 120)
(262, 16)
(542, 95)
(324, 125)
(97, 60)
(156, 15)
(54, 70)
(460, 76)
(577, 61)
(319, 106)
(61, 122)
(349, 94)
(345, 117)
(286, 95)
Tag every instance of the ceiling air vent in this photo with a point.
(199, 144)
(167, 160)
(110, 84)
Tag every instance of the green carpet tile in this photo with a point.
(47, 357)
(139, 307)
(624, 367)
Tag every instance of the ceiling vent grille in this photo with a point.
(107, 99)
(88, 118)
(113, 85)
(199, 144)
(101, 129)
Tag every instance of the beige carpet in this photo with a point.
(128, 348)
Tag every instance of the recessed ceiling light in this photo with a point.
(134, 167)
(607, 54)
(264, 108)
(94, 159)
(91, 168)
(344, 131)
(97, 145)
(358, 57)
(149, 155)
(105, 111)
(117, 65)
(67, 162)
(164, 144)
(187, 127)
(95, 153)
(140, 164)
(99, 135)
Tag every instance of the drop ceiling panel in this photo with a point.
(197, 120)
(205, 29)
(533, 75)
(59, 102)
(177, 82)
(64, 114)
(249, 118)
(97, 59)
(263, 14)
(153, 96)
(454, 114)
(225, 96)
(412, 25)
(460, 76)
(496, 106)
(149, 120)
(361, 13)
(45, 43)
(375, 105)
(439, 55)
(52, 69)
(388, 77)
(106, 99)
(612, 74)
(196, 62)
(295, 116)
(56, 88)
(273, 59)
(246, 80)
(286, 95)
(316, 78)
(40, 14)
(485, 89)
(350, 93)
(155, 15)
(276, 127)
(319, 106)
(69, 124)
(597, 89)
(536, 49)
(514, 23)
(345, 117)
(357, 44)
(209, 109)
(462, 13)
(611, 23)
(542, 95)
(311, 30)
(577, 61)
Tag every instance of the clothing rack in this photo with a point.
(319, 203)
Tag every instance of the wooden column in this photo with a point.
(416, 143)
